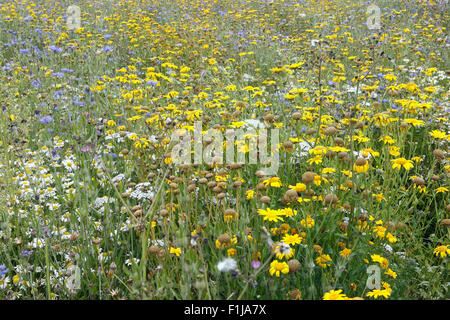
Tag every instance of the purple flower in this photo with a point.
(3, 269)
(85, 149)
(46, 119)
(256, 264)
(107, 49)
(36, 83)
(152, 83)
(27, 253)
(55, 49)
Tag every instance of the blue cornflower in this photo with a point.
(55, 49)
(46, 119)
(152, 83)
(3, 269)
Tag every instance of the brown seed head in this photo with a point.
(308, 177)
(294, 266)
(224, 239)
(361, 162)
(438, 153)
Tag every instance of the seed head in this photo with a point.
(308, 177)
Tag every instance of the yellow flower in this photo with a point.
(288, 212)
(237, 124)
(328, 170)
(345, 252)
(323, 261)
(402, 162)
(380, 231)
(361, 165)
(299, 187)
(317, 180)
(315, 160)
(387, 140)
(391, 273)
(441, 189)
(250, 194)
(292, 239)
(367, 151)
(308, 222)
(379, 197)
(384, 263)
(271, 215)
(16, 279)
(273, 182)
(226, 243)
(176, 251)
(391, 238)
(231, 252)
(414, 122)
(276, 267)
(394, 151)
(437, 134)
(335, 295)
(283, 250)
(442, 251)
(347, 173)
(230, 215)
(390, 77)
(378, 293)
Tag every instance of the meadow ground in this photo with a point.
(352, 97)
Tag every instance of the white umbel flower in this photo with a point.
(227, 265)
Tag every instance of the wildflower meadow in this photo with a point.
(224, 149)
